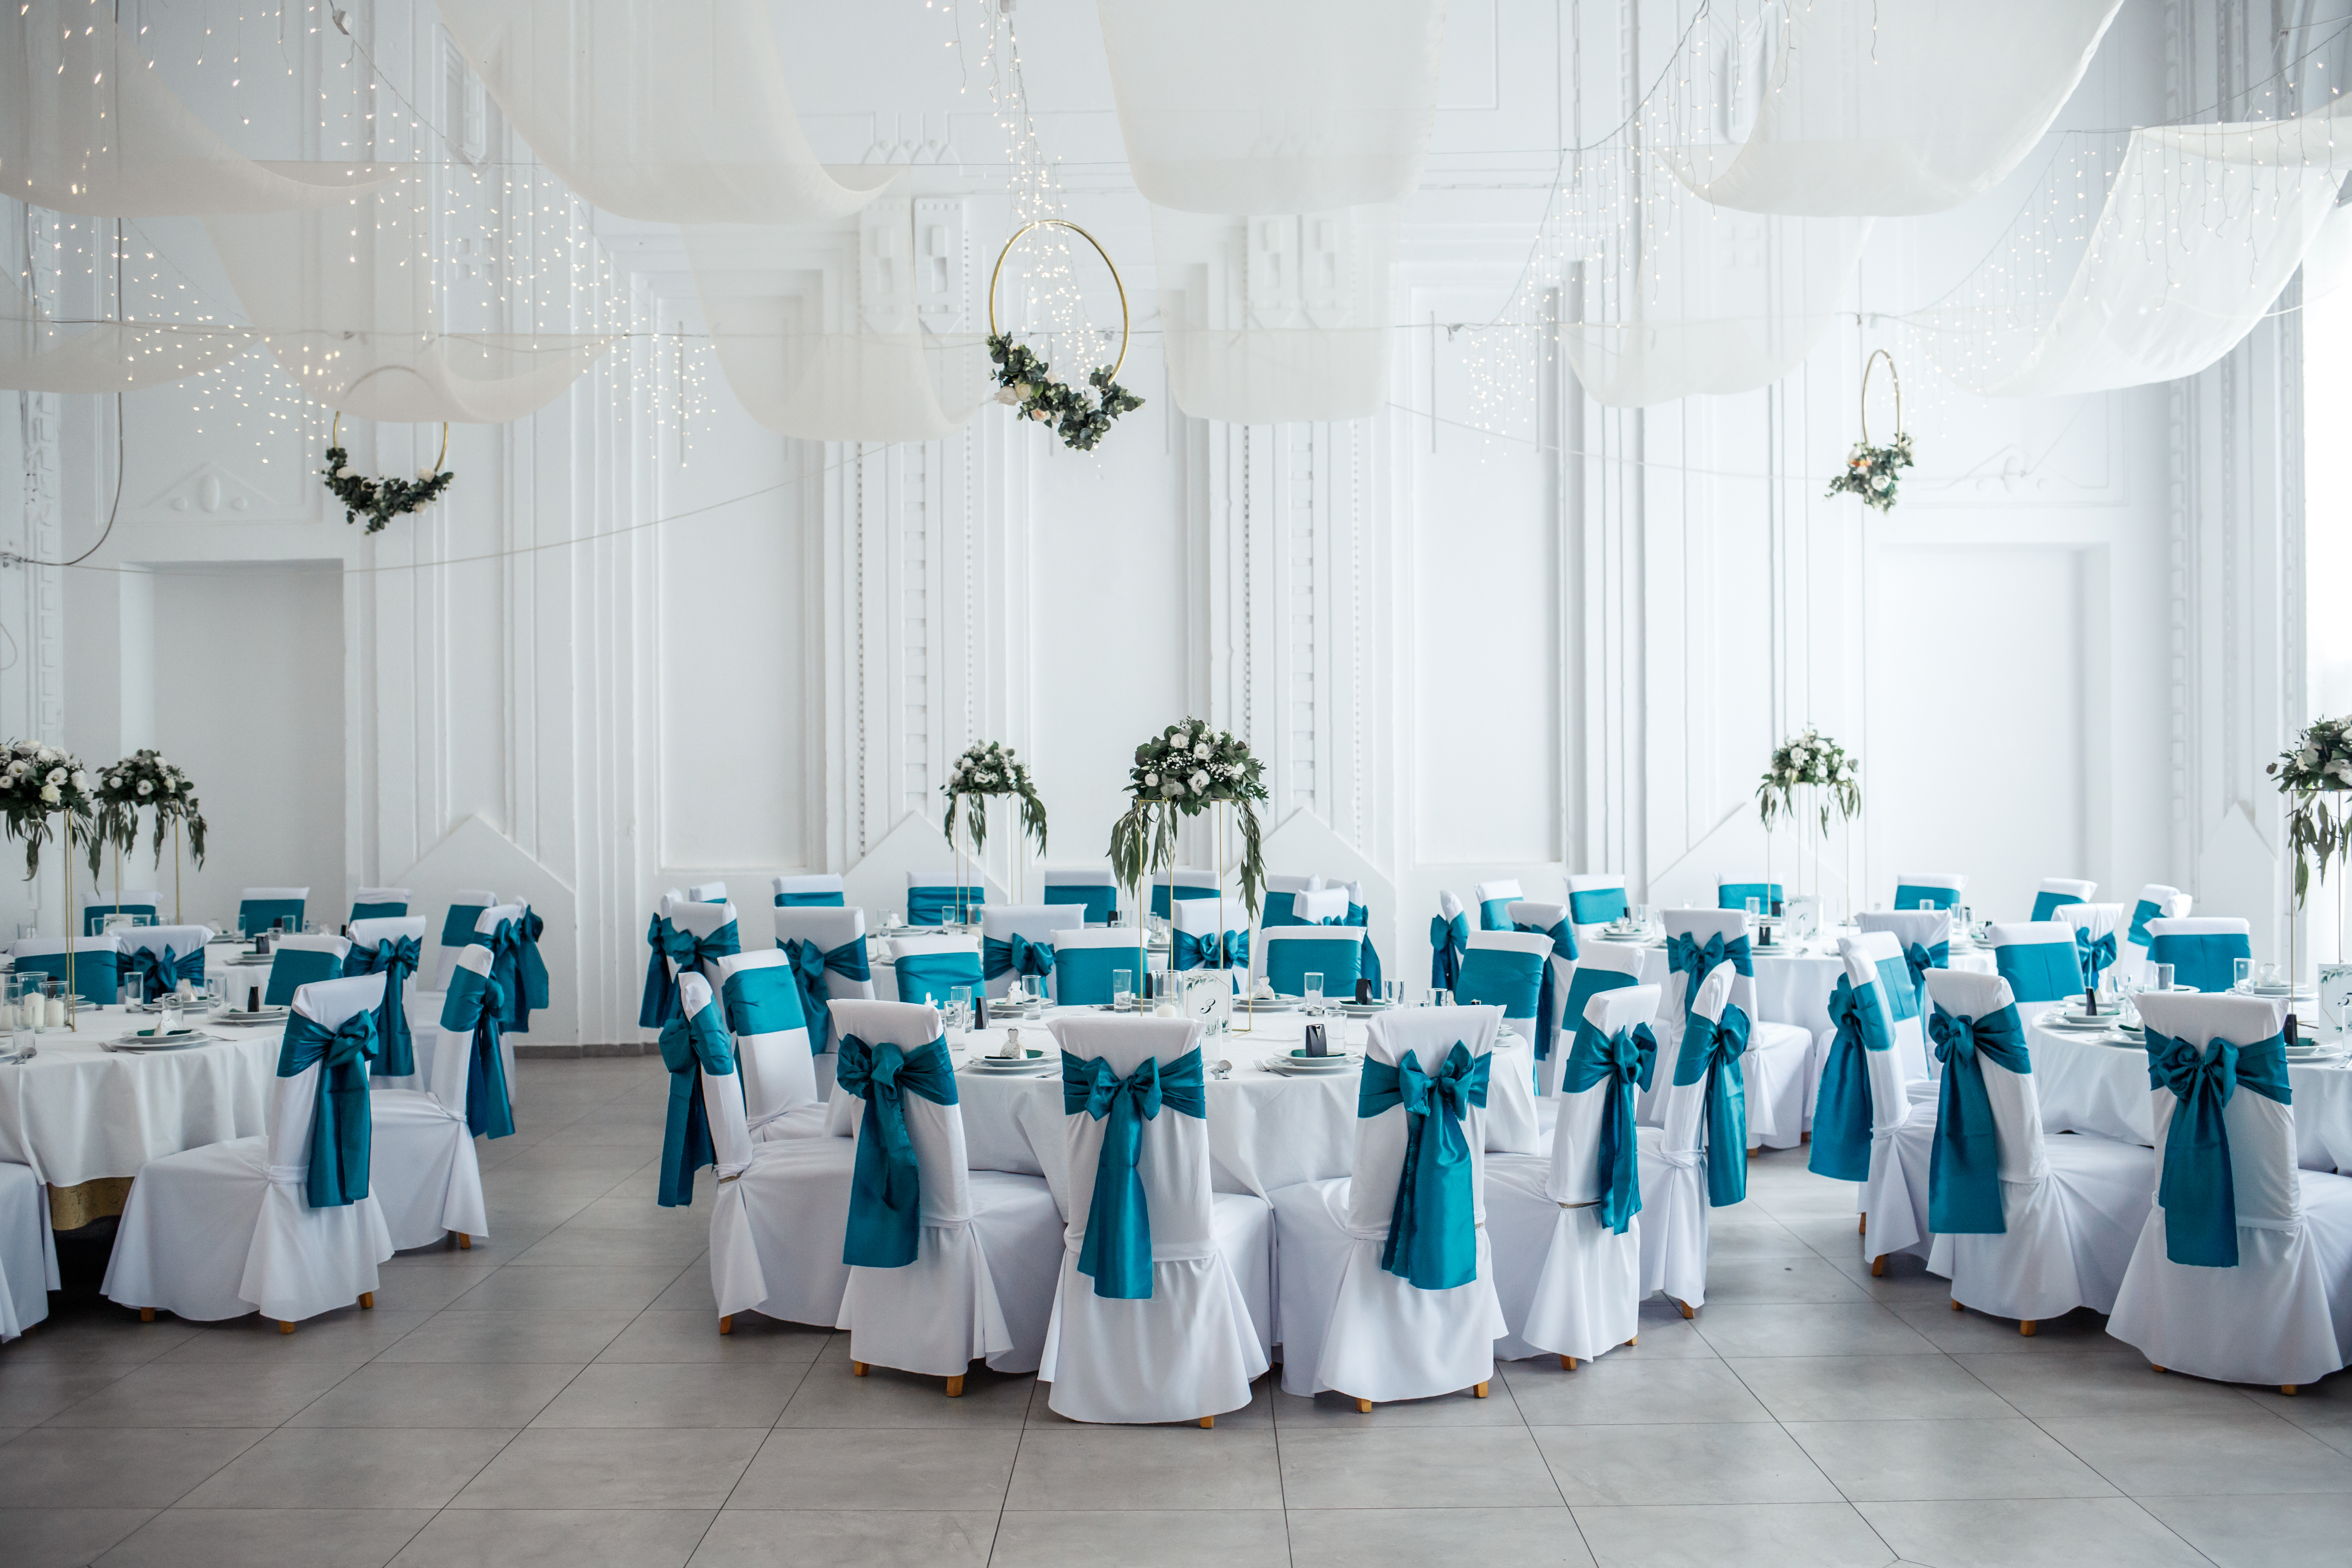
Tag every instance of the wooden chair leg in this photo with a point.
(1688, 1310)
(2153, 1367)
(285, 1328)
(727, 1324)
(1634, 1340)
(1363, 1407)
(1862, 1225)
(955, 1388)
(2286, 1388)
(1479, 1390)
(2025, 1327)
(465, 1242)
(857, 1369)
(1568, 1364)
(146, 1314)
(367, 1301)
(1207, 1422)
(1958, 1308)
(1878, 1267)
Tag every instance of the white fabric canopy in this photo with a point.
(86, 128)
(38, 355)
(1890, 107)
(1276, 318)
(1233, 107)
(666, 111)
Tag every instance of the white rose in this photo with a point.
(19, 768)
(423, 473)
(81, 779)
(1201, 748)
(1152, 779)
(49, 793)
(2341, 769)
(44, 756)
(145, 787)
(1008, 396)
(2307, 757)
(57, 777)
(1171, 789)
(347, 472)
(1200, 781)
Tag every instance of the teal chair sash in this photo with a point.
(529, 929)
(395, 959)
(1597, 906)
(471, 1010)
(340, 1123)
(96, 976)
(1735, 895)
(1963, 1166)
(378, 911)
(1278, 909)
(1229, 952)
(1712, 1051)
(2094, 956)
(2047, 903)
(291, 968)
(505, 942)
(1900, 990)
(929, 976)
(1589, 981)
(1360, 917)
(1920, 958)
(1433, 1239)
(93, 919)
(1548, 1015)
(1495, 914)
(692, 1045)
(1082, 974)
(1016, 954)
(832, 899)
(1288, 964)
(2202, 959)
(1099, 900)
(1116, 1252)
(1449, 941)
(1516, 981)
(1910, 896)
(260, 914)
(659, 999)
(763, 1001)
(1686, 955)
(2146, 910)
(885, 1187)
(686, 950)
(933, 906)
(1843, 1112)
(1624, 1060)
(2038, 970)
(457, 924)
(809, 964)
(1185, 894)
(159, 973)
(2195, 1190)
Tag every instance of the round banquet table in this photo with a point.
(2098, 1083)
(1266, 1128)
(1793, 986)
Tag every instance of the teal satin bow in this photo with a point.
(1711, 1050)
(1843, 1112)
(1547, 1020)
(2095, 957)
(659, 1001)
(340, 1122)
(393, 958)
(762, 1000)
(160, 972)
(532, 966)
(1433, 1239)
(1016, 954)
(1920, 958)
(1624, 1061)
(1685, 956)
(474, 1012)
(885, 1187)
(692, 1045)
(505, 942)
(1116, 1252)
(2195, 1189)
(809, 963)
(687, 951)
(1230, 950)
(1449, 944)
(1963, 1166)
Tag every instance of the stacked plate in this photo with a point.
(2318, 1051)
(1298, 1061)
(1032, 1060)
(1363, 1009)
(149, 1041)
(266, 1016)
(2063, 1018)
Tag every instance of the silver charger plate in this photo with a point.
(177, 1043)
(1365, 1009)
(266, 1016)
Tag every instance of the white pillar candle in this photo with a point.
(57, 1012)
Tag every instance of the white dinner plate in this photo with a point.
(1364, 1009)
(266, 1016)
(177, 1043)
(1312, 1066)
(1038, 1063)
(2058, 1019)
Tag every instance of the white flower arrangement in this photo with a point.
(38, 783)
(1811, 758)
(146, 778)
(988, 769)
(1182, 772)
(2314, 777)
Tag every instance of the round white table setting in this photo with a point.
(1793, 980)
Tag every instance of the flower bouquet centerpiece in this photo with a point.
(2315, 777)
(1810, 760)
(141, 780)
(1182, 772)
(989, 771)
(37, 784)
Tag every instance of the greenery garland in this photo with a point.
(985, 771)
(38, 782)
(1182, 773)
(2314, 777)
(1811, 758)
(1871, 472)
(144, 779)
(1025, 381)
(380, 499)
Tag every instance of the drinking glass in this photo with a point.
(1641, 916)
(1122, 989)
(217, 989)
(1392, 993)
(1926, 906)
(2159, 977)
(2242, 974)
(959, 1006)
(1755, 911)
(1314, 986)
(1440, 997)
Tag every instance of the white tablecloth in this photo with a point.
(2088, 1085)
(77, 1112)
(1794, 987)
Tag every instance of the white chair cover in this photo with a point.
(1674, 1155)
(2056, 892)
(384, 895)
(2157, 902)
(707, 893)
(275, 895)
(829, 927)
(1952, 882)
(1590, 893)
(1923, 928)
(1348, 1324)
(1194, 1347)
(218, 1231)
(697, 917)
(183, 940)
(1512, 1126)
(1096, 879)
(2284, 1315)
(1031, 922)
(819, 882)
(1893, 1205)
(1608, 961)
(982, 1280)
(1781, 1066)
(424, 1169)
(1568, 1283)
(28, 1253)
(1092, 939)
(1336, 987)
(917, 946)
(1485, 895)
(2072, 1205)
(776, 1067)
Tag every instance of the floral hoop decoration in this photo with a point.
(1027, 382)
(1811, 758)
(139, 780)
(986, 771)
(1183, 771)
(1871, 472)
(380, 500)
(2314, 777)
(38, 782)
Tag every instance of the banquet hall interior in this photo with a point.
(1071, 782)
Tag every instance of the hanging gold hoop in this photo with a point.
(1867, 366)
(998, 270)
(335, 438)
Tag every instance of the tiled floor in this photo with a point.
(559, 1395)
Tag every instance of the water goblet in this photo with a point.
(1122, 989)
(1314, 987)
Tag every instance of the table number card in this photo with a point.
(2336, 997)
(1804, 913)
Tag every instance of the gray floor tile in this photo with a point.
(1145, 1467)
(574, 1338)
(1959, 1333)
(1718, 1462)
(673, 1395)
(63, 1537)
(1474, 1467)
(1870, 1388)
(33, 1390)
(613, 1468)
(1420, 1537)
(2051, 1533)
(429, 1288)
(757, 1538)
(569, 1290)
(556, 1538)
(831, 1395)
(1912, 1461)
(439, 1393)
(340, 1467)
(130, 1467)
(2260, 1531)
(1619, 1389)
(269, 1538)
(351, 1336)
(690, 1292)
(960, 1472)
(1750, 1281)
(1753, 1536)
(694, 1337)
(573, 1248)
(1337, 1412)
(1242, 1538)
(2094, 1385)
(1818, 1328)
(235, 1393)
(105, 1335)
(2184, 1455)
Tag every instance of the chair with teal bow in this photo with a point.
(1549, 920)
(1599, 966)
(1923, 938)
(2056, 892)
(934, 898)
(1091, 888)
(1508, 969)
(1162, 1310)
(424, 1168)
(457, 922)
(1872, 1083)
(500, 928)
(1279, 906)
(926, 968)
(2025, 1226)
(827, 948)
(707, 893)
(1210, 934)
(2156, 902)
(1017, 940)
(381, 904)
(1697, 1160)
(2039, 960)
(96, 966)
(1288, 954)
(284, 1222)
(2098, 941)
(762, 999)
(299, 960)
(1733, 894)
(393, 947)
(1087, 962)
(1779, 1062)
(707, 933)
(1596, 899)
(1449, 941)
(1937, 890)
(780, 1209)
(1388, 1276)
(2242, 1271)
(159, 959)
(815, 890)
(271, 908)
(136, 903)
(1359, 913)
(947, 1265)
(1566, 1229)
(2203, 950)
(1190, 884)
(1493, 901)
